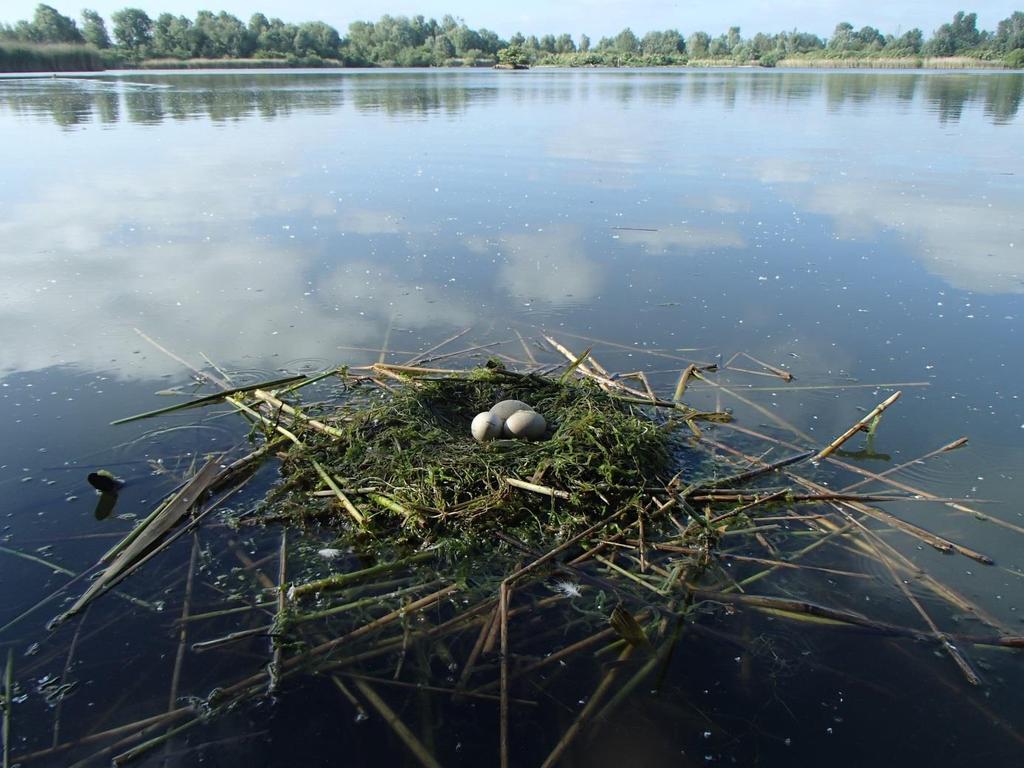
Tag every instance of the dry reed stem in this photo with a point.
(946, 643)
(263, 420)
(526, 348)
(684, 379)
(138, 725)
(891, 482)
(860, 426)
(503, 598)
(8, 702)
(186, 605)
(280, 405)
(780, 372)
(205, 376)
(64, 676)
(282, 606)
(588, 710)
(354, 513)
(534, 488)
(933, 540)
(419, 356)
(401, 730)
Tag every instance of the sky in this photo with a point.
(596, 18)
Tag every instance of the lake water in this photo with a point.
(865, 231)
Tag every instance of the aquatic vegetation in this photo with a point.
(404, 547)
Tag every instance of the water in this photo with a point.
(859, 229)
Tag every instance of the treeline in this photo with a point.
(419, 42)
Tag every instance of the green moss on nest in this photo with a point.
(413, 447)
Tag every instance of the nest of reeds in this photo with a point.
(405, 459)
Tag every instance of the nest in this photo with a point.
(406, 460)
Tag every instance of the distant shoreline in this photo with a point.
(915, 63)
(59, 64)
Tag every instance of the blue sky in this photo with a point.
(594, 17)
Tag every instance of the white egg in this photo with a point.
(526, 425)
(506, 408)
(486, 426)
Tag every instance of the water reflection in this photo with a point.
(316, 216)
(74, 101)
(834, 224)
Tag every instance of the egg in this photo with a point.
(526, 425)
(486, 426)
(506, 408)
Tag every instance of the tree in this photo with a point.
(279, 38)
(698, 44)
(165, 39)
(667, 43)
(50, 26)
(133, 29)
(584, 45)
(490, 42)
(949, 39)
(870, 39)
(1010, 33)
(444, 49)
(465, 39)
(547, 43)
(908, 43)
(733, 39)
(843, 38)
(317, 38)
(232, 37)
(626, 42)
(94, 30)
(513, 56)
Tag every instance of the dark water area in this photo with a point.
(862, 230)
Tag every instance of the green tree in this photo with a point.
(317, 38)
(960, 35)
(719, 46)
(584, 45)
(513, 56)
(870, 39)
(465, 39)
(666, 43)
(733, 39)
(164, 42)
(908, 43)
(278, 38)
(626, 42)
(843, 38)
(94, 30)
(133, 29)
(490, 42)
(50, 26)
(231, 36)
(564, 44)
(1010, 33)
(698, 44)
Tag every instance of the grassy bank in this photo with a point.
(33, 57)
(890, 62)
(261, 63)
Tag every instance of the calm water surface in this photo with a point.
(863, 230)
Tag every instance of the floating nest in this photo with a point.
(404, 459)
(409, 553)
